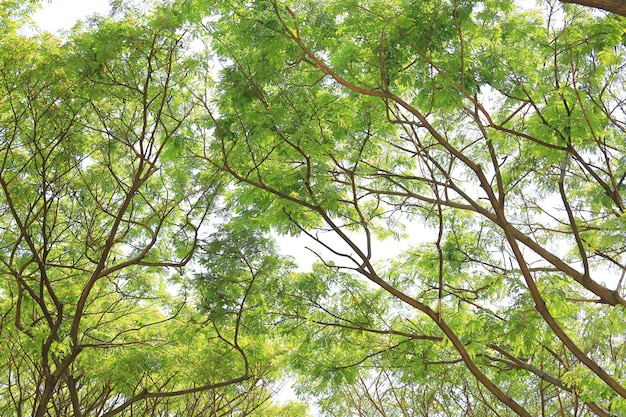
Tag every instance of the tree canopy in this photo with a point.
(457, 168)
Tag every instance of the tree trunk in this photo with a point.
(613, 6)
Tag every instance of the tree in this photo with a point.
(102, 209)
(147, 158)
(499, 131)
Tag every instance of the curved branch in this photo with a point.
(146, 394)
(613, 6)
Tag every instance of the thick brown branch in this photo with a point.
(613, 6)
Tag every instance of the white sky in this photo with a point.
(62, 14)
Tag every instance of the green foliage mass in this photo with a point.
(457, 167)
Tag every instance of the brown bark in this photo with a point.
(613, 6)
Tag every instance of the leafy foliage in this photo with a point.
(148, 158)
(494, 130)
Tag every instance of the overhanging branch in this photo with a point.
(613, 6)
